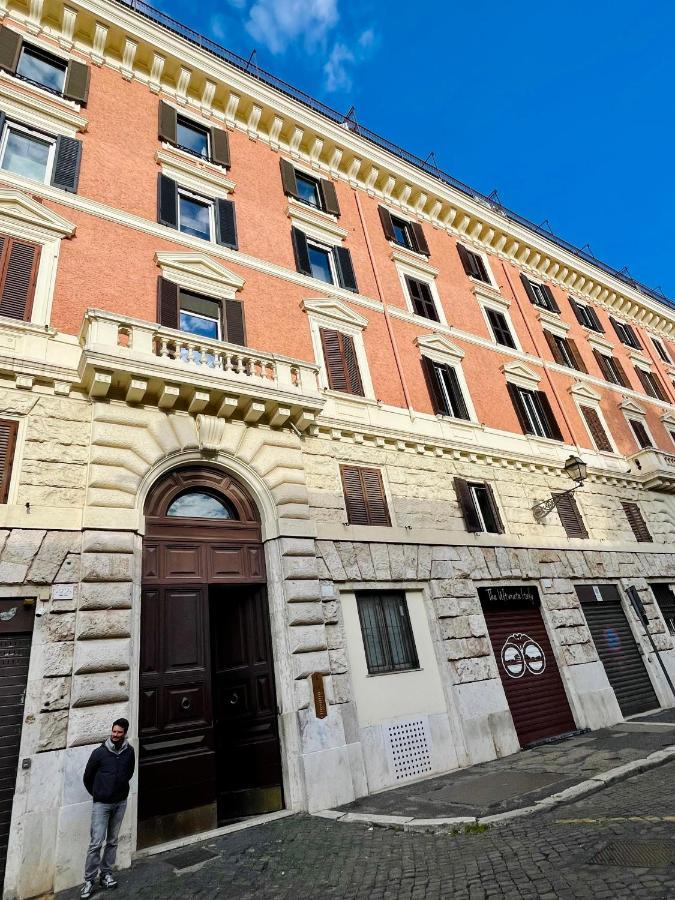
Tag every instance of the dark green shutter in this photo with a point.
(66, 173)
(301, 252)
(10, 48)
(387, 226)
(288, 181)
(419, 239)
(220, 147)
(167, 202)
(234, 322)
(168, 123)
(226, 224)
(329, 196)
(345, 269)
(77, 82)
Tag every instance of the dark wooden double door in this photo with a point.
(208, 719)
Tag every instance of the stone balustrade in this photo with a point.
(656, 469)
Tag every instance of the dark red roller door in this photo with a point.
(527, 666)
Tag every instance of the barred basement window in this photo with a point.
(637, 522)
(387, 634)
(570, 517)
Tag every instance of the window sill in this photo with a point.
(413, 260)
(197, 175)
(489, 295)
(315, 223)
(34, 106)
(395, 672)
(553, 320)
(598, 341)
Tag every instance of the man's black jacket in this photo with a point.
(109, 772)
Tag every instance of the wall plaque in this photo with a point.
(509, 597)
(320, 706)
(63, 592)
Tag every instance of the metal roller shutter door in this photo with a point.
(618, 649)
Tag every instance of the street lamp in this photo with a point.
(575, 469)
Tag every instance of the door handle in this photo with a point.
(186, 703)
(234, 699)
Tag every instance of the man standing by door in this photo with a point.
(106, 777)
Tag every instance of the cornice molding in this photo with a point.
(439, 346)
(583, 392)
(634, 409)
(339, 313)
(194, 174)
(17, 207)
(19, 101)
(520, 374)
(199, 272)
(315, 223)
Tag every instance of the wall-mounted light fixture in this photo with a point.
(575, 469)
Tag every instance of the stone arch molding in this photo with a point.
(132, 448)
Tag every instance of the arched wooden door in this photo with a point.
(209, 746)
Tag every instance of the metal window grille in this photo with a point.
(387, 634)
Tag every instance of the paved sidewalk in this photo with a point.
(514, 785)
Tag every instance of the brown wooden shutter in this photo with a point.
(10, 48)
(422, 299)
(553, 347)
(635, 340)
(576, 310)
(495, 509)
(330, 200)
(18, 272)
(598, 433)
(341, 363)
(434, 388)
(420, 240)
(621, 372)
(77, 82)
(551, 299)
(550, 418)
(387, 226)
(596, 321)
(640, 433)
(8, 432)
(528, 289)
(576, 356)
(220, 147)
(352, 365)
(570, 516)
(518, 406)
(636, 522)
(167, 303)
(234, 322)
(365, 499)
(466, 260)
(467, 506)
(168, 123)
(288, 181)
(600, 360)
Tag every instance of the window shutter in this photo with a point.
(468, 262)
(352, 365)
(345, 269)
(598, 433)
(301, 252)
(621, 372)
(66, 172)
(553, 347)
(10, 48)
(288, 181)
(596, 321)
(640, 433)
(467, 506)
(8, 432)
(77, 82)
(168, 123)
(456, 394)
(167, 202)
(636, 522)
(387, 226)
(495, 509)
(635, 340)
(659, 387)
(365, 500)
(434, 388)
(422, 301)
(226, 224)
(220, 147)
(342, 365)
(167, 303)
(576, 356)
(577, 311)
(548, 415)
(518, 406)
(551, 299)
(2, 121)
(528, 289)
(330, 200)
(570, 517)
(644, 381)
(420, 240)
(600, 360)
(18, 271)
(234, 322)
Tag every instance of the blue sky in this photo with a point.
(565, 108)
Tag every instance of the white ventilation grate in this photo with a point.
(410, 751)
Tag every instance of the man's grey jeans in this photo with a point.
(106, 819)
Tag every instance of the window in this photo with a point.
(651, 383)
(8, 432)
(596, 429)
(18, 272)
(27, 152)
(478, 507)
(444, 389)
(332, 265)
(365, 500)
(198, 216)
(665, 600)
(195, 215)
(199, 315)
(474, 264)
(316, 192)
(641, 433)
(570, 517)
(192, 137)
(406, 234)
(200, 505)
(342, 366)
(534, 412)
(637, 522)
(500, 327)
(564, 351)
(539, 294)
(421, 298)
(387, 635)
(39, 67)
(672, 435)
(661, 350)
(202, 316)
(586, 316)
(611, 369)
(625, 333)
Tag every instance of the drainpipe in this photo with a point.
(387, 319)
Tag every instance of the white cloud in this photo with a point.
(217, 28)
(277, 23)
(336, 68)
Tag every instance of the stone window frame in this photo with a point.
(17, 461)
(439, 349)
(583, 395)
(420, 270)
(194, 271)
(499, 304)
(632, 410)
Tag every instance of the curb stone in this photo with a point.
(584, 788)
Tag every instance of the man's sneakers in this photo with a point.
(107, 881)
(87, 890)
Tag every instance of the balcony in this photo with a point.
(143, 363)
(655, 468)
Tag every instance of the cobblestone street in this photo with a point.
(541, 856)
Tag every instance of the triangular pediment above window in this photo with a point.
(668, 420)
(519, 373)
(583, 392)
(198, 272)
(336, 310)
(19, 212)
(633, 408)
(436, 343)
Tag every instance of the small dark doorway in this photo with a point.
(209, 745)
